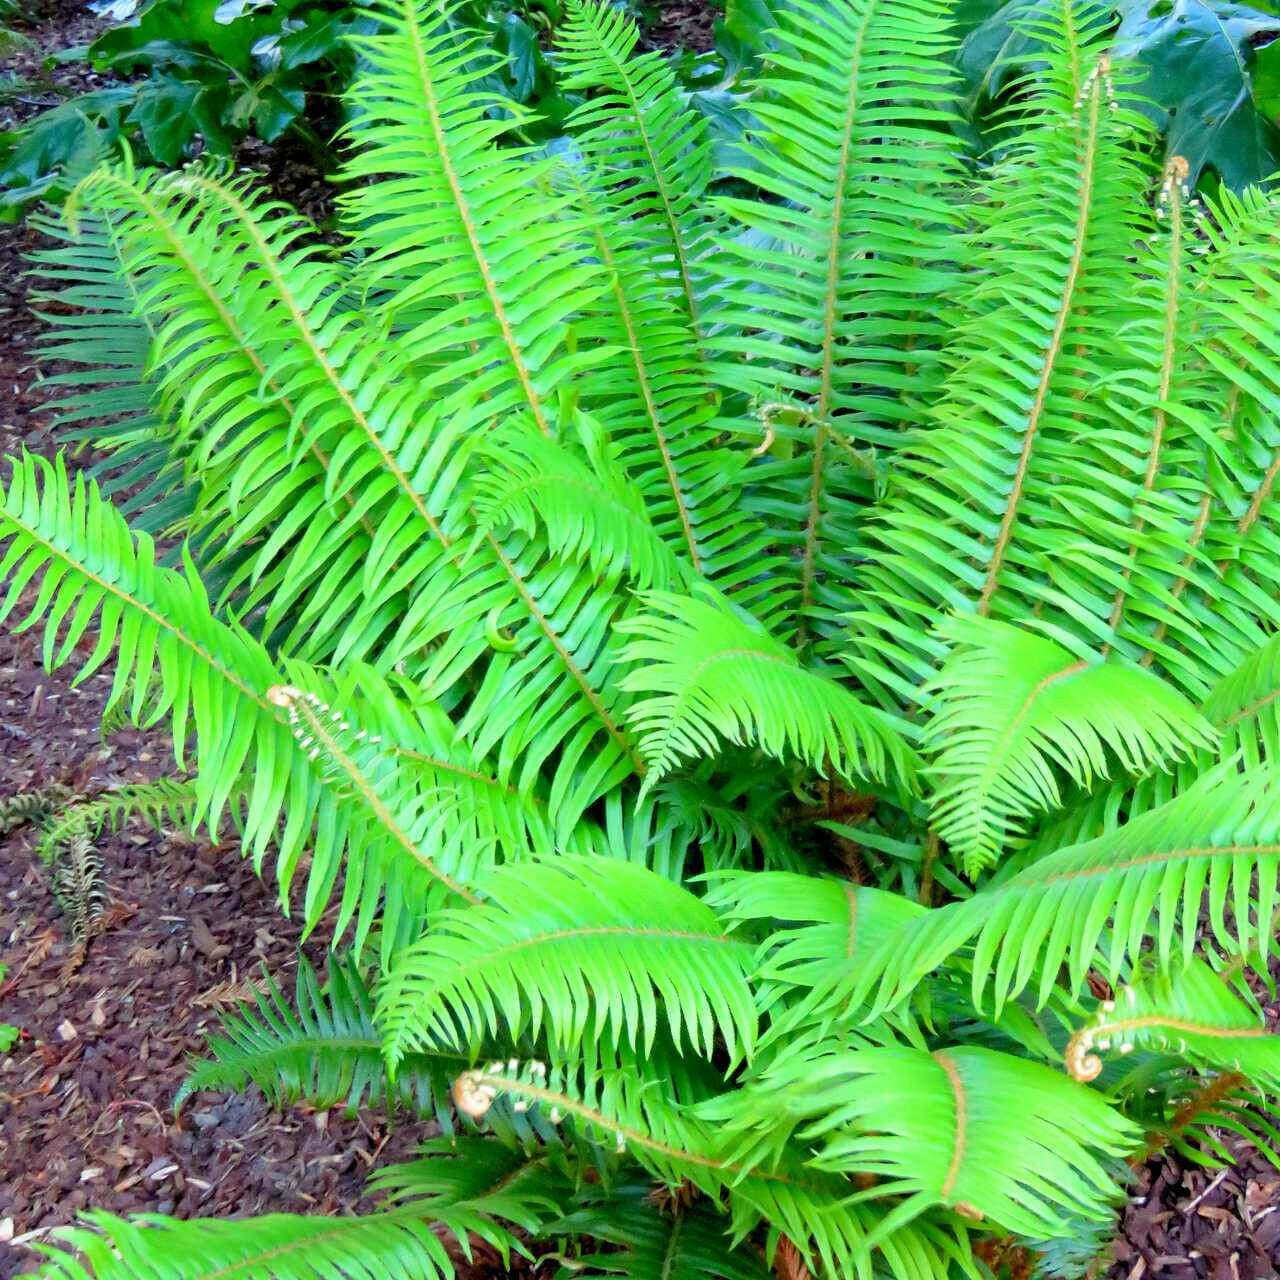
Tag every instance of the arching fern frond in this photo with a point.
(207, 676)
(1013, 713)
(104, 398)
(469, 235)
(812, 1209)
(711, 674)
(1097, 903)
(472, 1189)
(582, 948)
(831, 925)
(1187, 1008)
(322, 1048)
(679, 1243)
(983, 1133)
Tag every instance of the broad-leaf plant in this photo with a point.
(773, 689)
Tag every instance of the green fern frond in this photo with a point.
(95, 326)
(823, 294)
(1013, 713)
(31, 806)
(652, 150)
(1095, 904)
(324, 1049)
(1187, 1008)
(812, 1209)
(459, 1189)
(982, 1133)
(157, 620)
(580, 947)
(832, 924)
(713, 675)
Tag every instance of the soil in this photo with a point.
(85, 1096)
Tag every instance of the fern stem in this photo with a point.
(830, 309)
(1089, 161)
(442, 144)
(1176, 173)
(268, 262)
(646, 391)
(960, 1099)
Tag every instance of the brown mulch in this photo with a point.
(85, 1098)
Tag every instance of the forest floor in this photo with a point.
(86, 1095)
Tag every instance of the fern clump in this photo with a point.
(776, 671)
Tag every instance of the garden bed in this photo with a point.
(85, 1097)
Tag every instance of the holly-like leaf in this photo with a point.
(1199, 63)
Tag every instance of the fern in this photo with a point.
(737, 656)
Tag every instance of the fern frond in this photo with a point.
(1013, 713)
(586, 506)
(1095, 904)
(581, 947)
(232, 363)
(651, 148)
(31, 806)
(823, 296)
(455, 226)
(323, 1048)
(982, 1133)
(1187, 1008)
(459, 1190)
(96, 326)
(657, 406)
(211, 676)
(1021, 529)
(833, 924)
(712, 675)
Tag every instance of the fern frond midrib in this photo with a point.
(571, 1106)
(355, 775)
(664, 193)
(1151, 859)
(960, 1101)
(1050, 360)
(829, 310)
(443, 150)
(1167, 354)
(646, 391)
(267, 260)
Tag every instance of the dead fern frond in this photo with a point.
(77, 885)
(31, 806)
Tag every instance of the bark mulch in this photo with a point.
(85, 1097)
